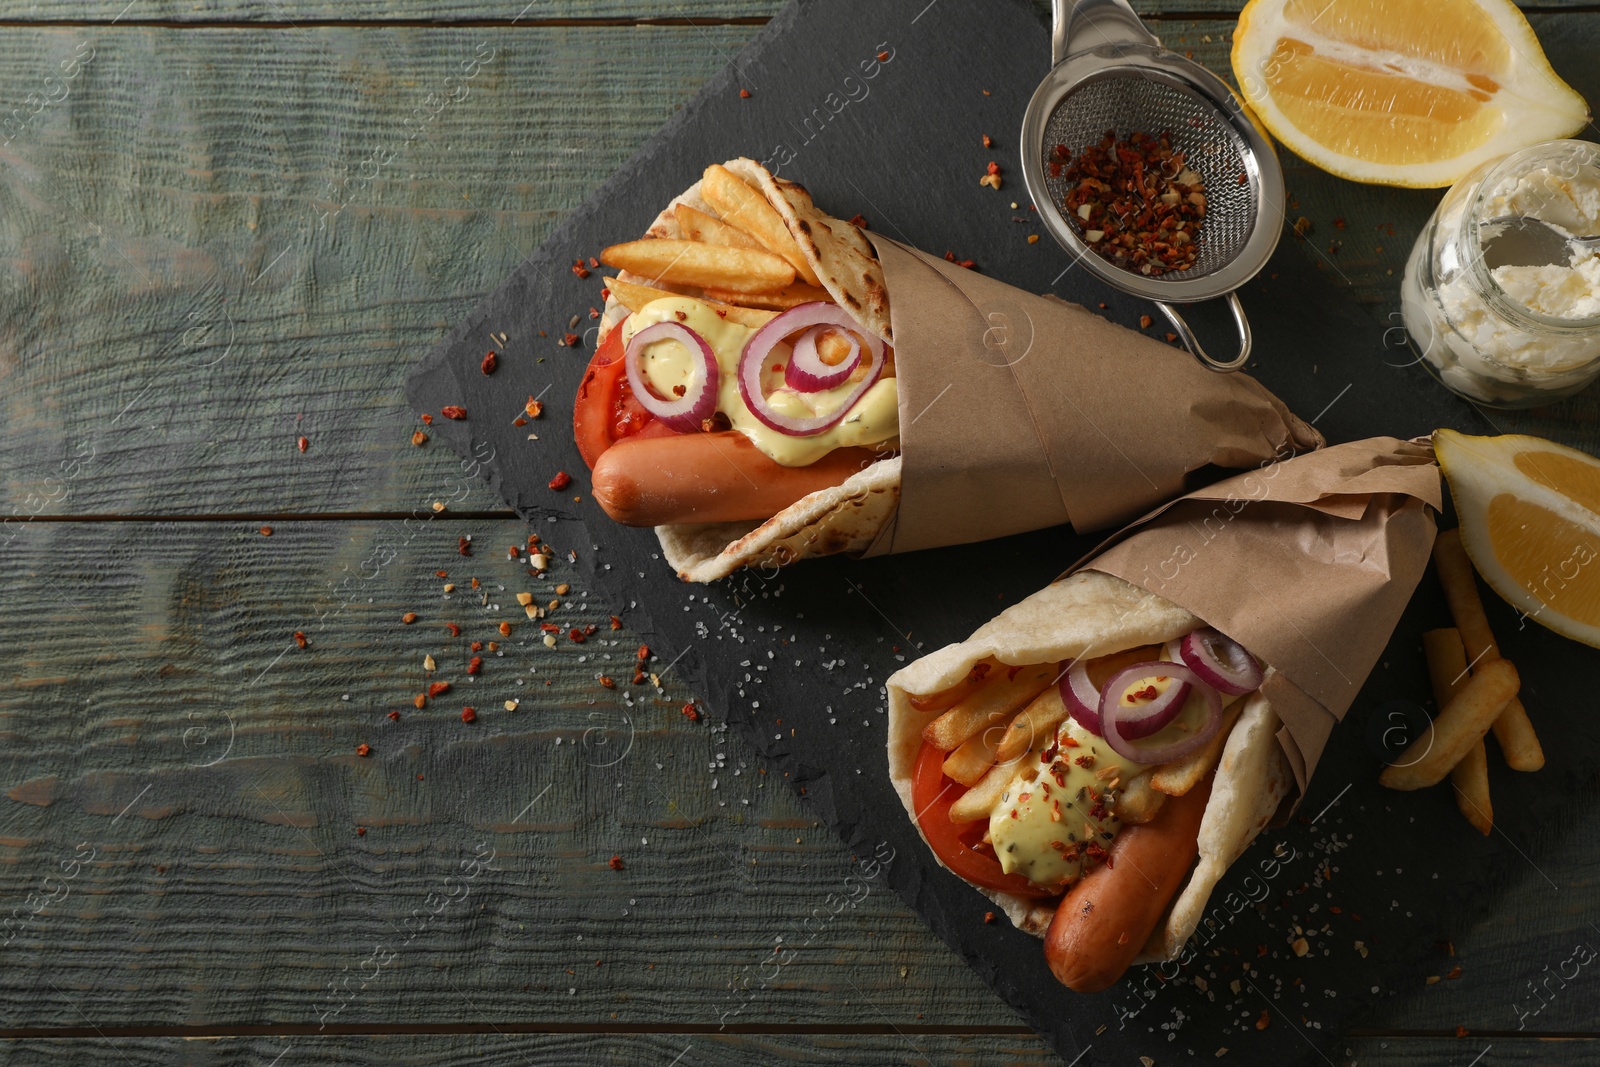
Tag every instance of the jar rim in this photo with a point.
(1472, 219)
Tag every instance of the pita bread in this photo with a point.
(1091, 613)
(845, 518)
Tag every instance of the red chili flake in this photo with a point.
(464, 545)
(363, 750)
(1128, 193)
(744, 94)
(988, 916)
(455, 631)
(477, 646)
(266, 531)
(605, 294)
(607, 681)
(595, 263)
(572, 340)
(409, 617)
(692, 713)
(588, 631)
(1455, 972)
(615, 862)
(427, 420)
(576, 636)
(1462, 1031)
(419, 438)
(395, 715)
(638, 677)
(420, 700)
(561, 480)
(438, 689)
(302, 444)
(441, 574)
(883, 57)
(1085, 760)
(579, 269)
(988, 142)
(1264, 1019)
(1171, 337)
(643, 653)
(490, 362)
(505, 629)
(475, 665)
(469, 714)
(300, 638)
(993, 168)
(616, 623)
(594, 313)
(474, 583)
(453, 411)
(1145, 321)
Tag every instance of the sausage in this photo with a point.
(708, 477)
(1103, 923)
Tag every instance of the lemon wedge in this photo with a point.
(1413, 94)
(1530, 521)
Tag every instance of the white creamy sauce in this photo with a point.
(666, 365)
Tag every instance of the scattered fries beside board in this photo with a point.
(745, 264)
(1475, 689)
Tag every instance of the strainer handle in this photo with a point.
(1084, 25)
(1192, 343)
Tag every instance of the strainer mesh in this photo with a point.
(1130, 103)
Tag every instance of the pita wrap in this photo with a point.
(1010, 428)
(1340, 537)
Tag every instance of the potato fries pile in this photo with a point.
(1475, 689)
(745, 264)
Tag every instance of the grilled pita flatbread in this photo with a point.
(1088, 614)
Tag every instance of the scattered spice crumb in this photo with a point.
(302, 444)
(419, 701)
(1145, 321)
(300, 638)
(533, 408)
(692, 713)
(571, 340)
(1171, 337)
(1033, 238)
(1302, 226)
(1263, 1020)
(561, 480)
(453, 411)
(969, 264)
(988, 916)
(361, 831)
(464, 545)
(744, 94)
(409, 617)
(455, 631)
(859, 220)
(615, 862)
(505, 629)
(607, 681)
(438, 689)
(988, 142)
(266, 531)
(419, 438)
(475, 666)
(394, 716)
(427, 420)
(490, 362)
(469, 714)
(616, 623)
(579, 269)
(363, 750)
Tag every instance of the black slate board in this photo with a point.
(903, 149)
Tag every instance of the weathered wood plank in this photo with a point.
(202, 273)
(182, 793)
(537, 12)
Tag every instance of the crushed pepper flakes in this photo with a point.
(419, 438)
(363, 750)
(453, 411)
(469, 714)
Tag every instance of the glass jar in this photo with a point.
(1509, 336)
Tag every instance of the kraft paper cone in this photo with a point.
(1020, 412)
(1307, 563)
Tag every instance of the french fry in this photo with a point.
(736, 271)
(977, 802)
(1464, 720)
(1138, 800)
(1513, 729)
(634, 296)
(747, 209)
(1447, 670)
(1180, 776)
(1005, 692)
(698, 226)
(1034, 726)
(973, 757)
(781, 299)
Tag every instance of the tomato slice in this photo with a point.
(953, 843)
(606, 410)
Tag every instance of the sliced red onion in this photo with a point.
(1221, 662)
(807, 373)
(760, 346)
(1080, 696)
(1142, 720)
(699, 400)
(1113, 716)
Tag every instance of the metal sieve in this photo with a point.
(1111, 73)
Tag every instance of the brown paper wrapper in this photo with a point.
(1020, 412)
(1307, 563)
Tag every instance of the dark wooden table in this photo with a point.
(224, 228)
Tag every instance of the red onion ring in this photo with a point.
(1220, 661)
(1080, 696)
(699, 399)
(1113, 715)
(807, 373)
(760, 346)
